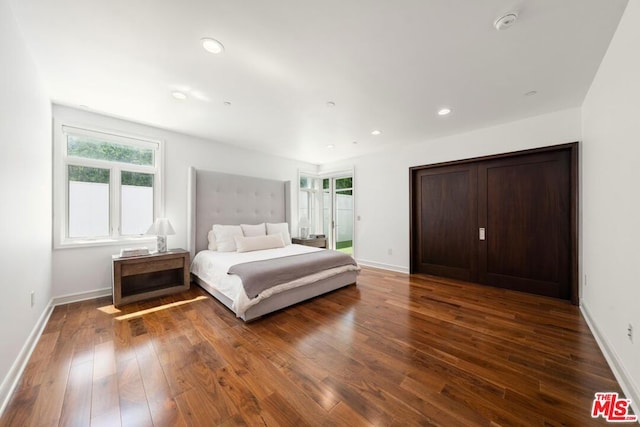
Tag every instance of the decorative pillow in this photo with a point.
(280, 228)
(253, 230)
(258, 243)
(225, 237)
(212, 240)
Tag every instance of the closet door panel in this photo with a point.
(526, 211)
(447, 221)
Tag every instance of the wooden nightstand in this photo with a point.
(142, 277)
(318, 242)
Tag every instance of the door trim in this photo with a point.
(573, 256)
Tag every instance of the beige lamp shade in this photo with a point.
(161, 227)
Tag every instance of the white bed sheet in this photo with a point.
(212, 267)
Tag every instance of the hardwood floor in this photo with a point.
(394, 350)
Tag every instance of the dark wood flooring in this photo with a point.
(394, 350)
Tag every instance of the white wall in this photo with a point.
(610, 197)
(80, 270)
(25, 191)
(382, 180)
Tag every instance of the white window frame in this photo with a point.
(314, 200)
(61, 161)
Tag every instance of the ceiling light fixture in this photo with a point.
(179, 95)
(531, 93)
(227, 104)
(331, 104)
(505, 21)
(331, 146)
(444, 111)
(376, 132)
(212, 45)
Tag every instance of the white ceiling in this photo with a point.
(387, 65)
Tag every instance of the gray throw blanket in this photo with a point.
(260, 275)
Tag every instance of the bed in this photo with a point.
(219, 198)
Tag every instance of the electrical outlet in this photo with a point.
(389, 251)
(630, 332)
(33, 298)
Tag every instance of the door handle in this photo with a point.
(482, 233)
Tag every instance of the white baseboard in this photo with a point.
(80, 296)
(390, 267)
(15, 373)
(624, 379)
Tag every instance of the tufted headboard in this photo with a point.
(220, 198)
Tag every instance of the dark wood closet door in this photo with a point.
(446, 227)
(526, 202)
(525, 206)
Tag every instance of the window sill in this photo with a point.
(124, 241)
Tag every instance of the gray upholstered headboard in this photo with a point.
(220, 198)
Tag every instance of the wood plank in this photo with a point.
(395, 350)
(105, 400)
(104, 360)
(134, 409)
(48, 406)
(76, 409)
(162, 405)
(197, 408)
(19, 411)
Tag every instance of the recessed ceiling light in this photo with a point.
(227, 104)
(376, 132)
(531, 93)
(212, 45)
(444, 111)
(179, 95)
(505, 21)
(331, 146)
(354, 142)
(331, 104)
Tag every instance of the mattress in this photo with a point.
(211, 267)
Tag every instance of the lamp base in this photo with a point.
(304, 232)
(162, 244)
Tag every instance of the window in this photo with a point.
(307, 201)
(107, 186)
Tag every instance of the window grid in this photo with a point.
(116, 190)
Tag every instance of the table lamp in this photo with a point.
(161, 228)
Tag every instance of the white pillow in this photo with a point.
(211, 236)
(280, 228)
(253, 230)
(258, 243)
(225, 237)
